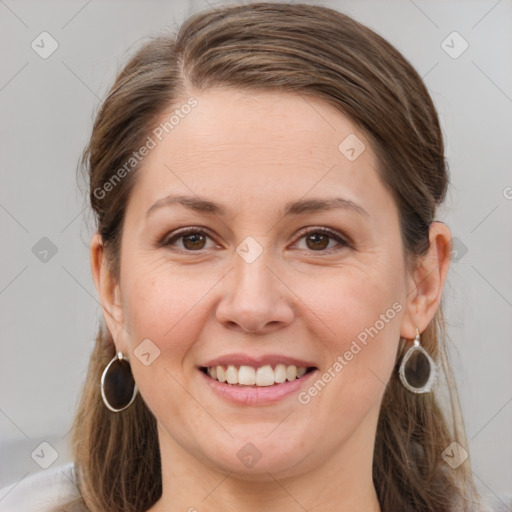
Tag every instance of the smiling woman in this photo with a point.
(271, 274)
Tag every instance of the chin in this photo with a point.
(256, 456)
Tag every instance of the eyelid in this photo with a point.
(339, 237)
(176, 235)
(342, 240)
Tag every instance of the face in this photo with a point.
(254, 284)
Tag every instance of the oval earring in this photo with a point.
(417, 370)
(118, 388)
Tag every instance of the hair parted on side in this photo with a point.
(312, 51)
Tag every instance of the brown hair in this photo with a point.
(313, 51)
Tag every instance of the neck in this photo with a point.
(342, 483)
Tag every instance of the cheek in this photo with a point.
(364, 309)
(167, 304)
(360, 299)
(158, 306)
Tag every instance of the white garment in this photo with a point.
(44, 491)
(50, 489)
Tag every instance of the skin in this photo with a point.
(305, 297)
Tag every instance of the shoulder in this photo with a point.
(44, 491)
(501, 502)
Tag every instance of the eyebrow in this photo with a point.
(203, 205)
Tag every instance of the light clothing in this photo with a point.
(45, 491)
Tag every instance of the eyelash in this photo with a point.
(167, 242)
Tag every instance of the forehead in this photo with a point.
(259, 146)
(280, 123)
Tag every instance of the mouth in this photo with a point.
(268, 375)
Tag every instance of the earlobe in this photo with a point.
(427, 281)
(106, 287)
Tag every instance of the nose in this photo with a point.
(255, 298)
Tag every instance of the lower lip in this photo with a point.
(257, 395)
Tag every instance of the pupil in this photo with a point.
(325, 239)
(195, 237)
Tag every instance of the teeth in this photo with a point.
(231, 375)
(291, 372)
(264, 376)
(221, 374)
(280, 373)
(301, 371)
(261, 376)
(247, 375)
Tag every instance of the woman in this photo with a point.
(270, 271)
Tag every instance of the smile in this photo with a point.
(261, 376)
(275, 382)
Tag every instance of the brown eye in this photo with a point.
(191, 240)
(317, 240)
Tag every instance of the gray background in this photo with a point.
(50, 311)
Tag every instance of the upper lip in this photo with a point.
(256, 361)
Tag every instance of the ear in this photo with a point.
(426, 282)
(108, 291)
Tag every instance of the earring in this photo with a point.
(417, 370)
(118, 388)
